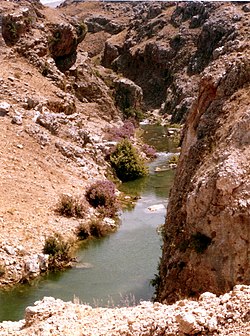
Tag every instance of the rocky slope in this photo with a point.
(210, 315)
(166, 47)
(50, 142)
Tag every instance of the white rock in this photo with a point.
(9, 249)
(156, 207)
(4, 108)
(109, 221)
(207, 296)
(212, 324)
(187, 323)
(35, 264)
(17, 119)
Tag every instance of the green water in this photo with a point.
(157, 136)
(119, 267)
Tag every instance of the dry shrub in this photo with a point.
(70, 206)
(60, 252)
(95, 228)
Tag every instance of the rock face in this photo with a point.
(166, 47)
(127, 94)
(16, 24)
(210, 315)
(63, 43)
(206, 235)
(98, 23)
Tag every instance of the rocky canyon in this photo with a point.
(68, 74)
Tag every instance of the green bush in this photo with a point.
(173, 159)
(70, 206)
(134, 113)
(60, 253)
(127, 163)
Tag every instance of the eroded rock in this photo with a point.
(208, 317)
(206, 244)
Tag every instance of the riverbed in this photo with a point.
(115, 270)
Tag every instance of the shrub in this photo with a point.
(102, 195)
(132, 112)
(59, 252)
(126, 131)
(83, 231)
(70, 206)
(173, 159)
(97, 229)
(126, 162)
(149, 151)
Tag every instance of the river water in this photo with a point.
(115, 270)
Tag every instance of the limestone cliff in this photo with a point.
(207, 229)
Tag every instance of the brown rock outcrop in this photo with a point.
(63, 43)
(207, 230)
(166, 47)
(16, 24)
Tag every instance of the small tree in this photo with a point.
(127, 163)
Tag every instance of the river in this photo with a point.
(115, 270)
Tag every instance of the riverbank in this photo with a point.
(227, 314)
(97, 276)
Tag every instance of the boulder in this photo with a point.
(17, 119)
(35, 264)
(4, 108)
(63, 42)
(127, 94)
(49, 121)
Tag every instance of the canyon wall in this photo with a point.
(207, 229)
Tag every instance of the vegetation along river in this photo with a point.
(115, 270)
